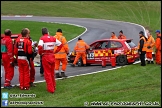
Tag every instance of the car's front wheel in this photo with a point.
(80, 62)
(121, 60)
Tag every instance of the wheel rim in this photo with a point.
(122, 60)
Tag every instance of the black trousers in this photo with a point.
(142, 58)
(41, 66)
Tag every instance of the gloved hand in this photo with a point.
(155, 50)
(149, 47)
(74, 52)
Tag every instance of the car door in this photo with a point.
(90, 53)
(116, 47)
(97, 51)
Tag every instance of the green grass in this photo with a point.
(146, 13)
(135, 85)
(69, 31)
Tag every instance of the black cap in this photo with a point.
(7, 32)
(79, 38)
(141, 32)
(59, 30)
(120, 31)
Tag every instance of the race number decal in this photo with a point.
(90, 56)
(117, 51)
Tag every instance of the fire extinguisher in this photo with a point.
(113, 60)
(103, 61)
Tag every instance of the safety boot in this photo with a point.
(84, 65)
(32, 84)
(152, 62)
(63, 74)
(26, 88)
(72, 65)
(148, 62)
(8, 87)
(58, 75)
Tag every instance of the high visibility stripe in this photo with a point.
(20, 49)
(145, 44)
(61, 53)
(80, 50)
(22, 57)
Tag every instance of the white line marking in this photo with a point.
(19, 16)
(84, 74)
(77, 26)
(70, 24)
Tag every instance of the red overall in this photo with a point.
(7, 58)
(46, 49)
(22, 48)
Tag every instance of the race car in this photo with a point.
(124, 50)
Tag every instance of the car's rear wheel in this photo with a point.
(121, 60)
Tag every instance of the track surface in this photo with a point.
(96, 29)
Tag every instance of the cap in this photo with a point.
(59, 30)
(120, 31)
(79, 38)
(157, 31)
(141, 32)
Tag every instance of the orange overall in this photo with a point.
(150, 45)
(61, 56)
(121, 37)
(158, 49)
(113, 37)
(80, 50)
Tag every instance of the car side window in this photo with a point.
(95, 45)
(115, 44)
(100, 45)
(104, 45)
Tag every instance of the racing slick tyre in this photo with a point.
(121, 60)
(80, 62)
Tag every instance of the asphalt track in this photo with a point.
(95, 29)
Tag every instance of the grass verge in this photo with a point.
(121, 85)
(69, 31)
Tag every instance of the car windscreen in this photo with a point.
(131, 44)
